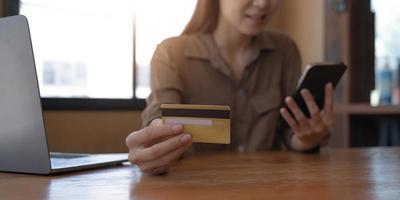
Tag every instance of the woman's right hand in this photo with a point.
(154, 148)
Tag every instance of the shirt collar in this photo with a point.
(202, 45)
(263, 41)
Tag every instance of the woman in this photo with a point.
(225, 57)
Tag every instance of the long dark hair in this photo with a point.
(204, 18)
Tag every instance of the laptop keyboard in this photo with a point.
(67, 155)
(65, 160)
(69, 159)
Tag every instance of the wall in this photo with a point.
(276, 21)
(95, 131)
(304, 22)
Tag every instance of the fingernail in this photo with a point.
(156, 122)
(287, 99)
(185, 138)
(177, 128)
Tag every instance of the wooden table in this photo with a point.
(372, 173)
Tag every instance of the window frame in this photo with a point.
(11, 7)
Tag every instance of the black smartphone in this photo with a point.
(314, 79)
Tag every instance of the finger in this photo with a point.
(298, 114)
(328, 106)
(161, 164)
(310, 102)
(291, 122)
(149, 133)
(156, 122)
(160, 149)
(316, 120)
(156, 171)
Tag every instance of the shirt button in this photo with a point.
(242, 93)
(241, 148)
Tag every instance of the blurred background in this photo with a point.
(93, 56)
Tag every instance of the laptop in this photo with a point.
(23, 142)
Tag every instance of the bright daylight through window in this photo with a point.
(85, 48)
(387, 52)
(387, 21)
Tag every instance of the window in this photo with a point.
(387, 51)
(156, 20)
(387, 21)
(99, 50)
(83, 51)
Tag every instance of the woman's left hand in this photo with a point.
(309, 132)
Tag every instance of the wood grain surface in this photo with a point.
(372, 173)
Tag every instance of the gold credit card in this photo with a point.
(206, 123)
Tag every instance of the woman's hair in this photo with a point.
(204, 18)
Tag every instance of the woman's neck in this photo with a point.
(234, 47)
(230, 41)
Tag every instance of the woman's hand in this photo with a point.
(309, 132)
(154, 148)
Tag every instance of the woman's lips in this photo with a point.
(256, 18)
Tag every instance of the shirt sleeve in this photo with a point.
(291, 75)
(165, 83)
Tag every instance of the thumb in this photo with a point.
(156, 122)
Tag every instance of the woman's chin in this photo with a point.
(252, 31)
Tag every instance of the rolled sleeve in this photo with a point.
(165, 83)
(291, 75)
